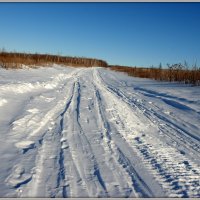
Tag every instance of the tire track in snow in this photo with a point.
(108, 172)
(171, 129)
(177, 175)
(169, 99)
(49, 133)
(67, 185)
(64, 162)
(117, 185)
(74, 186)
(53, 147)
(139, 187)
(81, 151)
(112, 152)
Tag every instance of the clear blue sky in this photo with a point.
(140, 34)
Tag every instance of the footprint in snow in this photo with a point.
(63, 139)
(64, 146)
(25, 145)
(18, 177)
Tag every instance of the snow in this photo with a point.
(24, 144)
(2, 102)
(92, 132)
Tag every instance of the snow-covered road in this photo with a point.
(92, 132)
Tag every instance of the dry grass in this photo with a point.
(16, 60)
(174, 73)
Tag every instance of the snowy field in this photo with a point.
(92, 132)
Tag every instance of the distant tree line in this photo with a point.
(173, 73)
(16, 60)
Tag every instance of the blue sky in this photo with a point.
(141, 34)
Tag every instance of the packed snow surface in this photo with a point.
(92, 132)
